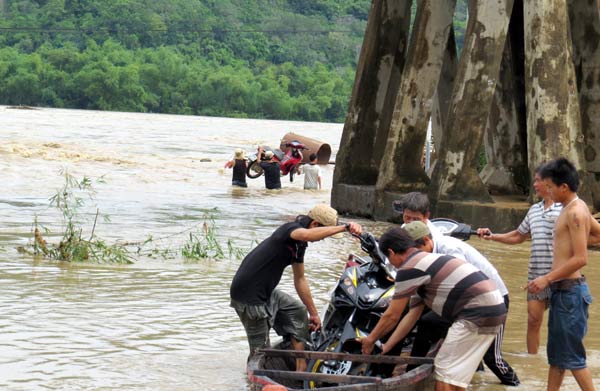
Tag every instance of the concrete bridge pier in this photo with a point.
(400, 169)
(376, 85)
(526, 90)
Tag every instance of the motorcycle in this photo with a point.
(289, 161)
(358, 301)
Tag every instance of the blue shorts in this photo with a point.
(567, 325)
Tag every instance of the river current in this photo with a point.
(164, 323)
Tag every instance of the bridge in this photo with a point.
(524, 90)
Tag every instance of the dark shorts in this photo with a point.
(567, 325)
(284, 313)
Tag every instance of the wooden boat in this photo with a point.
(273, 367)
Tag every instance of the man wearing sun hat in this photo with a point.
(254, 296)
(239, 165)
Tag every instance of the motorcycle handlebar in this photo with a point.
(368, 243)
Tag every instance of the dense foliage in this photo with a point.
(285, 59)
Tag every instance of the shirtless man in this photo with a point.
(567, 323)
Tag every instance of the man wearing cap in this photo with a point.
(432, 327)
(453, 289)
(254, 296)
(271, 168)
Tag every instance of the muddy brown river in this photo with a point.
(164, 323)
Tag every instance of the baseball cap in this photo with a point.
(324, 215)
(417, 229)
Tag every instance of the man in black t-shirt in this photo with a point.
(254, 296)
(272, 170)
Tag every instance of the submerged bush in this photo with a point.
(73, 246)
(205, 245)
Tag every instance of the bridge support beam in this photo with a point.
(526, 90)
(370, 110)
(400, 169)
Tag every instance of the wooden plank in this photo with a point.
(321, 377)
(347, 357)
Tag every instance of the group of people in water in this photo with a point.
(452, 292)
(272, 170)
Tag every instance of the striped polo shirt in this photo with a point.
(539, 223)
(452, 288)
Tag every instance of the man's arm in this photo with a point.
(594, 238)
(259, 153)
(406, 324)
(315, 234)
(303, 291)
(512, 237)
(388, 320)
(578, 226)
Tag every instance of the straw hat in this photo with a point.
(239, 154)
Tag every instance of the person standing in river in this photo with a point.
(254, 296)
(537, 225)
(272, 169)
(567, 322)
(312, 174)
(239, 165)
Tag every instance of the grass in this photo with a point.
(74, 246)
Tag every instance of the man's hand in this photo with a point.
(367, 345)
(538, 285)
(314, 322)
(354, 228)
(484, 233)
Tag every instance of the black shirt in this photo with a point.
(261, 270)
(239, 171)
(272, 175)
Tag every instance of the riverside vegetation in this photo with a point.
(74, 246)
(273, 59)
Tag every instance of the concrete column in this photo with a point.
(455, 176)
(584, 17)
(370, 110)
(443, 94)
(505, 141)
(553, 117)
(400, 169)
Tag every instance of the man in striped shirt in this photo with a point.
(453, 289)
(537, 225)
(431, 327)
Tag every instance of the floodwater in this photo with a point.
(163, 323)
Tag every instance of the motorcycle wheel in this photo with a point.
(334, 367)
(254, 170)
